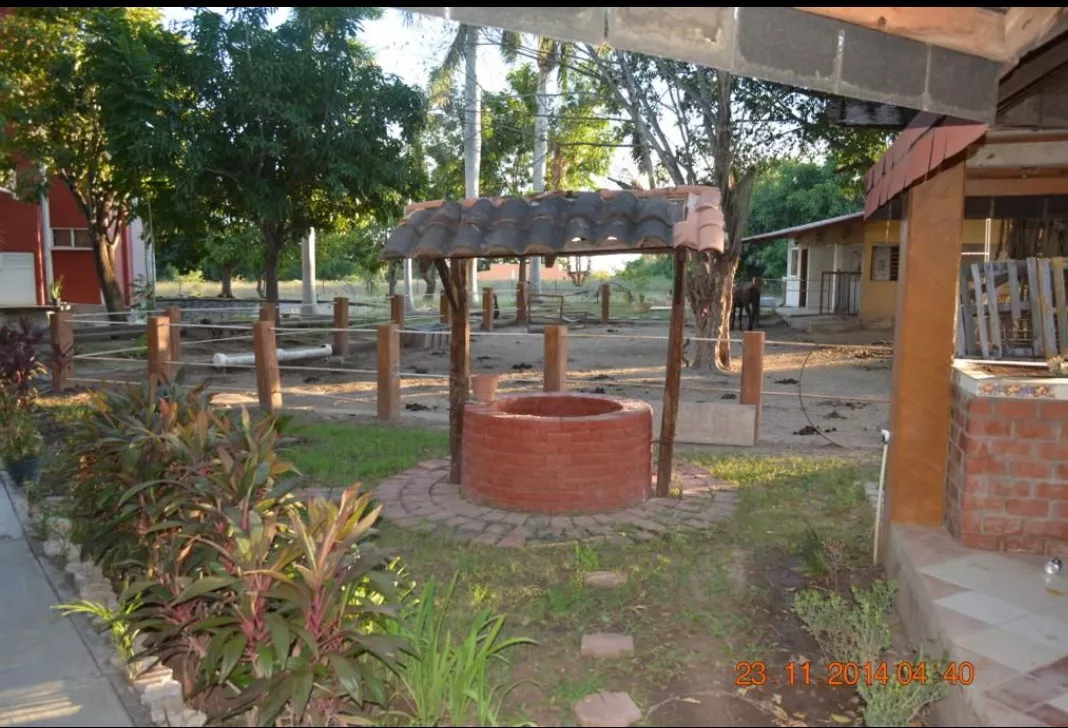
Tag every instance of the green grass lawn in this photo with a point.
(338, 454)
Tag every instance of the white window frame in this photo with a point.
(63, 239)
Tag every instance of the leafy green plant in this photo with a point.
(19, 437)
(860, 633)
(586, 557)
(450, 683)
(114, 620)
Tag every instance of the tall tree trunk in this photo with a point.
(541, 153)
(104, 262)
(472, 136)
(711, 293)
(270, 268)
(429, 276)
(227, 276)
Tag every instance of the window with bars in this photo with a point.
(884, 262)
(71, 239)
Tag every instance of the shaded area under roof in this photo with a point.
(588, 223)
(806, 228)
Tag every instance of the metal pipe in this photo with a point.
(307, 352)
(879, 497)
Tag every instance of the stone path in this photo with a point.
(423, 499)
(48, 674)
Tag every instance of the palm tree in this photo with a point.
(464, 48)
(551, 57)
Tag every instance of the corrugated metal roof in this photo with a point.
(798, 229)
(588, 223)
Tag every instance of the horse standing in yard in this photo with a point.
(747, 298)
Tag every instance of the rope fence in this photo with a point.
(161, 359)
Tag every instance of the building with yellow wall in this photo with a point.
(849, 267)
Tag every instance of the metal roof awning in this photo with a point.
(588, 223)
(791, 232)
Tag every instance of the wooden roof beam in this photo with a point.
(974, 31)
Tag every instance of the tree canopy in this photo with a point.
(294, 127)
(59, 68)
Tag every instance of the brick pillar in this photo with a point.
(341, 321)
(388, 371)
(174, 315)
(487, 309)
(555, 358)
(753, 374)
(61, 325)
(159, 345)
(268, 378)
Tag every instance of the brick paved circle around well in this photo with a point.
(423, 499)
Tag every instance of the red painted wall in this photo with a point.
(20, 233)
(80, 281)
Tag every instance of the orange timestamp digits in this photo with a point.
(851, 674)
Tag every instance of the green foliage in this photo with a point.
(860, 633)
(790, 193)
(581, 139)
(450, 683)
(19, 437)
(281, 605)
(293, 127)
(59, 72)
(115, 620)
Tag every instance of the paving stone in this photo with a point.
(561, 522)
(459, 522)
(159, 692)
(605, 579)
(517, 518)
(607, 646)
(516, 539)
(606, 710)
(488, 538)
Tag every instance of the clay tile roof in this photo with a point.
(586, 223)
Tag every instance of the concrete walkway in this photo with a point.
(49, 675)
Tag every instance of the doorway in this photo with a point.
(802, 296)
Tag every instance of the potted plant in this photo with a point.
(21, 445)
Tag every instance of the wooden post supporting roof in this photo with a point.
(673, 380)
(923, 348)
(454, 278)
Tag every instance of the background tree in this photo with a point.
(788, 193)
(692, 125)
(56, 67)
(295, 126)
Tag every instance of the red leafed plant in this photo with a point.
(19, 364)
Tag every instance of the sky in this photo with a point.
(412, 51)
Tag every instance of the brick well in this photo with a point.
(1007, 475)
(557, 453)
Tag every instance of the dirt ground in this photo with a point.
(844, 392)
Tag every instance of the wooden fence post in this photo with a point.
(753, 374)
(269, 312)
(396, 311)
(268, 379)
(606, 303)
(445, 308)
(388, 371)
(174, 315)
(487, 309)
(61, 325)
(341, 321)
(521, 302)
(555, 358)
(159, 347)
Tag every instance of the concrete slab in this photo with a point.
(88, 702)
(10, 527)
(711, 423)
(48, 675)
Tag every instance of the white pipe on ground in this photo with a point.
(307, 352)
(879, 498)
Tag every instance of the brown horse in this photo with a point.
(747, 298)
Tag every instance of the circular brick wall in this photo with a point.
(557, 453)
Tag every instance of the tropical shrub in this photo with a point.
(19, 363)
(267, 607)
